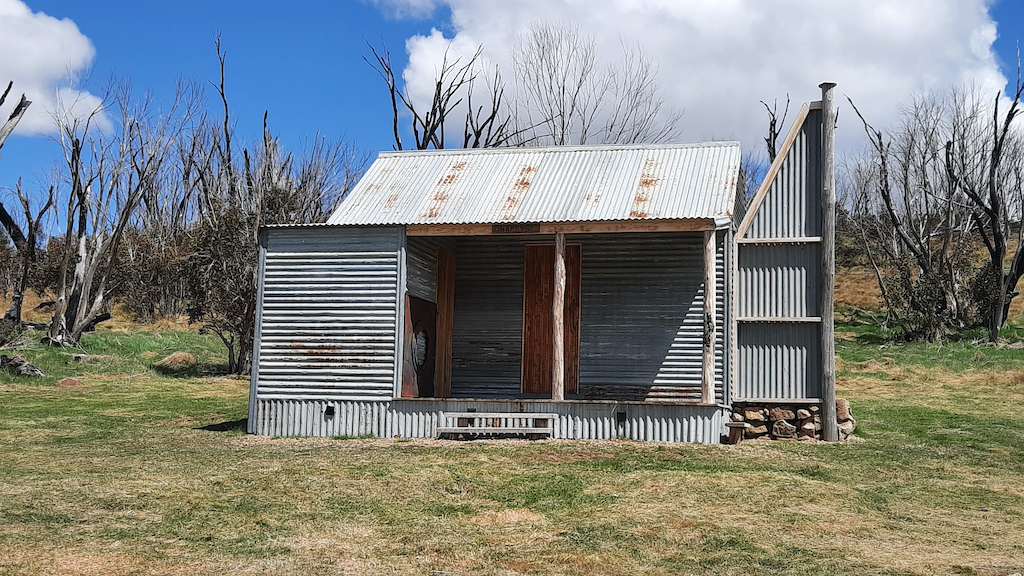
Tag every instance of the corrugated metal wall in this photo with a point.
(642, 316)
(419, 419)
(792, 207)
(327, 320)
(421, 267)
(779, 273)
(779, 360)
(779, 280)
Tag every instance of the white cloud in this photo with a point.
(39, 53)
(719, 58)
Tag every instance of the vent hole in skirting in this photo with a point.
(329, 412)
(620, 418)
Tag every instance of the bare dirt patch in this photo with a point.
(69, 383)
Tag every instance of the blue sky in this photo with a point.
(301, 60)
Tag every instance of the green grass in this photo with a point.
(135, 471)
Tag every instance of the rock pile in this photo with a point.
(787, 421)
(845, 419)
(779, 421)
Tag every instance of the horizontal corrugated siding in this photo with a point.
(487, 336)
(328, 314)
(419, 419)
(780, 280)
(642, 325)
(421, 268)
(559, 184)
(779, 360)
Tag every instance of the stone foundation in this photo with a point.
(788, 420)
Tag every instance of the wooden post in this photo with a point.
(445, 289)
(707, 380)
(558, 323)
(829, 425)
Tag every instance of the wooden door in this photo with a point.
(538, 299)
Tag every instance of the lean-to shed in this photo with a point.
(608, 291)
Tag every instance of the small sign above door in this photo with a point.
(515, 229)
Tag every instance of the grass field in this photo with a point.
(133, 470)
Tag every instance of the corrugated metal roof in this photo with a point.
(558, 184)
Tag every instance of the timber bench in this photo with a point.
(530, 424)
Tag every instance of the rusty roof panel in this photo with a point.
(558, 184)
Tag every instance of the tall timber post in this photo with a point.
(829, 425)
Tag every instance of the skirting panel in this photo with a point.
(420, 418)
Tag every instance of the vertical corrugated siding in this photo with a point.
(723, 325)
(642, 316)
(779, 360)
(328, 314)
(419, 419)
(792, 207)
(782, 280)
(779, 280)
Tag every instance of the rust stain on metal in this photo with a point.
(321, 353)
(648, 179)
(515, 197)
(441, 193)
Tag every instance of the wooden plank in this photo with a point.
(410, 388)
(829, 424)
(707, 379)
(538, 316)
(573, 311)
(538, 268)
(600, 227)
(445, 289)
(558, 322)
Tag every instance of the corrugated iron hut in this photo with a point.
(581, 292)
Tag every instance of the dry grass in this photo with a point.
(121, 321)
(177, 361)
(857, 288)
(125, 475)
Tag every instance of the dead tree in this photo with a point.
(25, 242)
(237, 190)
(107, 178)
(913, 224)
(12, 121)
(774, 126)
(453, 83)
(564, 96)
(984, 161)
